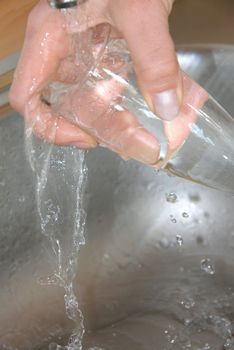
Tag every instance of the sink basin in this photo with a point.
(157, 269)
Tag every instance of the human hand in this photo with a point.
(144, 25)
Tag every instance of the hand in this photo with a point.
(144, 26)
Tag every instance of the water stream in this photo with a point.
(61, 176)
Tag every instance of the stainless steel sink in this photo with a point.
(157, 270)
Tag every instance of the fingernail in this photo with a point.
(166, 104)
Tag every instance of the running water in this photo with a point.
(61, 176)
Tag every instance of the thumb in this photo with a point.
(144, 25)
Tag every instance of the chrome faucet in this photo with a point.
(62, 4)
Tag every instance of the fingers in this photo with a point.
(144, 25)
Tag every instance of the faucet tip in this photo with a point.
(62, 4)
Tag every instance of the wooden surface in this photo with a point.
(13, 18)
(203, 21)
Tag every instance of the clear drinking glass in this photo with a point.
(197, 145)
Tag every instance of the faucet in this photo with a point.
(62, 4)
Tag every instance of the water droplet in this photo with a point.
(179, 240)
(171, 197)
(207, 266)
(172, 340)
(185, 215)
